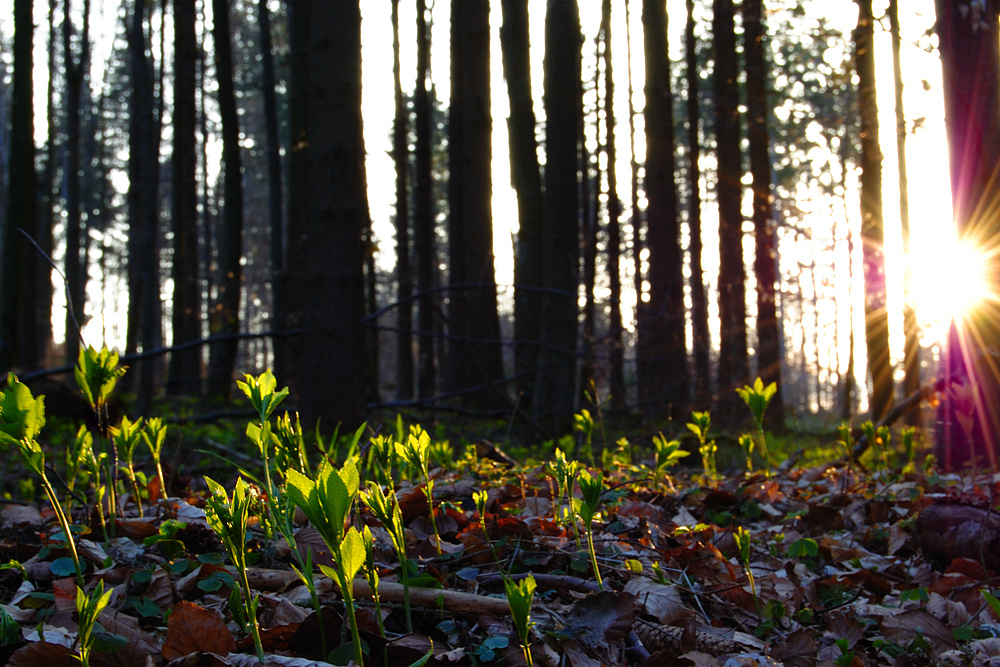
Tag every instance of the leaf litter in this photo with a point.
(846, 572)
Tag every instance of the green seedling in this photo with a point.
(96, 375)
(906, 436)
(371, 575)
(126, 437)
(699, 425)
(742, 536)
(846, 657)
(747, 444)
(668, 453)
(326, 502)
(591, 487)
(565, 474)
(519, 597)
(380, 458)
(583, 424)
(22, 417)
(229, 518)
(416, 454)
(879, 440)
(757, 399)
(88, 608)
(265, 399)
(154, 435)
(479, 497)
(385, 507)
(290, 445)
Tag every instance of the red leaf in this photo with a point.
(194, 629)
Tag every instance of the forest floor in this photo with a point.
(818, 565)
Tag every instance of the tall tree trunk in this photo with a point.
(664, 377)
(555, 386)
(185, 365)
(77, 64)
(911, 330)
(17, 298)
(143, 203)
(423, 211)
(699, 300)
(766, 256)
(404, 274)
(616, 353)
(224, 317)
(475, 325)
(872, 234)
(733, 367)
(47, 198)
(275, 198)
(968, 35)
(590, 206)
(634, 184)
(326, 234)
(526, 179)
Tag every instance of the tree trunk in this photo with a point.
(326, 236)
(225, 314)
(423, 211)
(185, 365)
(526, 179)
(475, 325)
(77, 64)
(47, 198)
(699, 300)
(404, 274)
(872, 234)
(275, 198)
(766, 256)
(664, 378)
(634, 184)
(555, 387)
(911, 330)
(17, 298)
(590, 205)
(733, 367)
(616, 355)
(968, 35)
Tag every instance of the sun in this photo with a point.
(950, 280)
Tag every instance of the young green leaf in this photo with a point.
(22, 416)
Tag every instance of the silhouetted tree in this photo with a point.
(616, 352)
(423, 210)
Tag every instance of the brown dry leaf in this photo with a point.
(699, 659)
(65, 594)
(903, 627)
(20, 515)
(137, 528)
(40, 654)
(193, 629)
(140, 643)
(662, 601)
(603, 617)
(797, 650)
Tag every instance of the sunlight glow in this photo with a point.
(952, 283)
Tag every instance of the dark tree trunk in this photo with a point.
(526, 179)
(275, 199)
(766, 256)
(616, 352)
(911, 330)
(185, 365)
(733, 367)
(404, 274)
(664, 377)
(590, 205)
(224, 317)
(555, 386)
(968, 34)
(326, 234)
(634, 168)
(77, 64)
(423, 211)
(872, 235)
(475, 326)
(17, 298)
(47, 197)
(143, 203)
(699, 300)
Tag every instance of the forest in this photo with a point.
(722, 275)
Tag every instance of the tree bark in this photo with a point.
(184, 375)
(555, 387)
(968, 35)
(475, 326)
(17, 298)
(766, 246)
(872, 234)
(616, 350)
(526, 179)
(326, 234)
(664, 376)
(911, 330)
(733, 369)
(404, 274)
(590, 205)
(224, 317)
(423, 211)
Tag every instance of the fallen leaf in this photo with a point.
(193, 629)
(40, 654)
(903, 627)
(660, 600)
